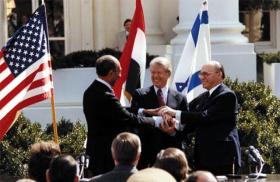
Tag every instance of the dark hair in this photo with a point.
(125, 21)
(105, 64)
(192, 178)
(63, 168)
(125, 148)
(173, 161)
(41, 156)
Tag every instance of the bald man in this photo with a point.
(201, 176)
(213, 116)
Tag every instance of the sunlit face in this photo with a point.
(210, 76)
(115, 74)
(127, 26)
(159, 75)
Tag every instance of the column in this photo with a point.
(3, 27)
(98, 24)
(228, 45)
(223, 21)
(151, 8)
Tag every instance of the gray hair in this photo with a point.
(163, 62)
(218, 66)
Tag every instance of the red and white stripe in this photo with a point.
(31, 86)
(134, 50)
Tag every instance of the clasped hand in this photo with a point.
(169, 123)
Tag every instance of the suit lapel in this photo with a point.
(170, 97)
(216, 92)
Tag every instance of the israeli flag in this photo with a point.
(196, 53)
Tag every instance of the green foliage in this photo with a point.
(259, 121)
(15, 148)
(88, 58)
(269, 57)
(259, 4)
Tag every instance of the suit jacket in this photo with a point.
(214, 119)
(105, 119)
(153, 140)
(120, 41)
(119, 174)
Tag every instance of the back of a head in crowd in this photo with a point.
(201, 176)
(25, 180)
(173, 161)
(126, 149)
(41, 156)
(63, 168)
(104, 64)
(151, 175)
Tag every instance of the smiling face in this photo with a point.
(159, 75)
(210, 76)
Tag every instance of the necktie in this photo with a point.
(160, 98)
(206, 98)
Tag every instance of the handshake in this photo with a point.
(167, 122)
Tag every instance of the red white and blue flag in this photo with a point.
(133, 58)
(196, 52)
(25, 69)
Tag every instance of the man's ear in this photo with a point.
(48, 176)
(111, 72)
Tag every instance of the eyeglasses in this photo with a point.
(205, 74)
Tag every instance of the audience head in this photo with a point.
(201, 176)
(41, 156)
(211, 74)
(126, 149)
(173, 161)
(151, 175)
(161, 69)
(127, 24)
(108, 68)
(63, 168)
(25, 180)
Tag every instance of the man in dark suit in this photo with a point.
(157, 95)
(126, 150)
(213, 115)
(105, 116)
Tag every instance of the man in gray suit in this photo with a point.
(154, 96)
(126, 150)
(122, 36)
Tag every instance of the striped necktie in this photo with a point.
(160, 98)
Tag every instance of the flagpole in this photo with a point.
(55, 133)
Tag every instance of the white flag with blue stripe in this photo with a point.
(196, 53)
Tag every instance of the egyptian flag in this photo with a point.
(133, 58)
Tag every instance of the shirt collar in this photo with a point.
(213, 89)
(105, 83)
(164, 90)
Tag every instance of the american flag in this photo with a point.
(25, 69)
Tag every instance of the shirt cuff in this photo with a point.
(140, 112)
(158, 120)
(179, 126)
(178, 115)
